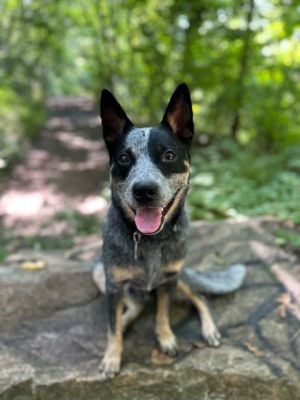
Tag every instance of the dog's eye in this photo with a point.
(124, 159)
(169, 156)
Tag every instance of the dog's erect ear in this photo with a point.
(114, 118)
(179, 114)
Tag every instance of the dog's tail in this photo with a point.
(200, 282)
(214, 282)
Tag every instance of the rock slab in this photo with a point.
(53, 329)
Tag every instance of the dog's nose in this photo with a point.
(145, 192)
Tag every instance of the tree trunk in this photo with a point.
(244, 61)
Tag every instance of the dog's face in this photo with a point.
(149, 166)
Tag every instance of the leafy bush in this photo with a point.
(229, 181)
(20, 121)
(10, 127)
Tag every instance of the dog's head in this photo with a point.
(149, 166)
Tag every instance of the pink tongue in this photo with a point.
(148, 220)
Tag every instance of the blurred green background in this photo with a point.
(240, 58)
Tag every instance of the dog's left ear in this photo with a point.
(114, 118)
(179, 114)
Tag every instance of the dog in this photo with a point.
(145, 233)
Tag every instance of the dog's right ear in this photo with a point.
(114, 118)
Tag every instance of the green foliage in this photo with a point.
(230, 181)
(76, 226)
(30, 47)
(3, 254)
(240, 58)
(10, 242)
(41, 243)
(10, 128)
(284, 237)
(234, 61)
(79, 224)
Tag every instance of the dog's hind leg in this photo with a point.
(133, 310)
(133, 307)
(208, 328)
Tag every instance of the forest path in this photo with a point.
(62, 173)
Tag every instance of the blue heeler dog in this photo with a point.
(145, 235)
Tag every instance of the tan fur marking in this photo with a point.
(128, 210)
(121, 274)
(172, 122)
(117, 183)
(177, 119)
(174, 266)
(163, 328)
(114, 348)
(206, 318)
(187, 165)
(174, 117)
(175, 203)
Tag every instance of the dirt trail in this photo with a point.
(65, 169)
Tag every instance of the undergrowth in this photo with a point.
(230, 181)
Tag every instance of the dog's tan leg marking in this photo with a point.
(111, 362)
(133, 310)
(165, 336)
(208, 328)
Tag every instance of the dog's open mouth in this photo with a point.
(150, 220)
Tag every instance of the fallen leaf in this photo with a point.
(284, 300)
(159, 358)
(291, 284)
(253, 349)
(33, 265)
(199, 344)
(289, 301)
(282, 311)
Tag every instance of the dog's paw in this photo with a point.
(168, 345)
(109, 367)
(211, 334)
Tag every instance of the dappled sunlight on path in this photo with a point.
(64, 171)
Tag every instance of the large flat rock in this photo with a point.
(53, 328)
(60, 284)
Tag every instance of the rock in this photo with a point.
(61, 283)
(53, 330)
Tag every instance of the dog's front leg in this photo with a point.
(165, 336)
(210, 332)
(111, 362)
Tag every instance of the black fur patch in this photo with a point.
(161, 140)
(118, 171)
